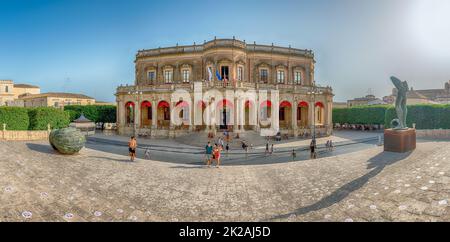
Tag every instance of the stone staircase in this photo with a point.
(200, 139)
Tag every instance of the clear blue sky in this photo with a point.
(88, 46)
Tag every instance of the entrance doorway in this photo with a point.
(225, 118)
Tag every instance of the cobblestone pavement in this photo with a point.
(38, 185)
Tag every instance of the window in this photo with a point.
(298, 77)
(280, 76)
(225, 72)
(240, 73)
(185, 75)
(168, 76)
(264, 73)
(151, 76)
(6, 88)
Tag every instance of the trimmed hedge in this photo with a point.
(360, 115)
(15, 118)
(42, 116)
(425, 116)
(96, 113)
(20, 118)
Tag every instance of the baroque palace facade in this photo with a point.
(224, 65)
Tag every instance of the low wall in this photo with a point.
(23, 135)
(433, 133)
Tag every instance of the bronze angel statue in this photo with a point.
(400, 104)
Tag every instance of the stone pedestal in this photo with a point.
(399, 141)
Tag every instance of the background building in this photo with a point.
(10, 92)
(146, 105)
(56, 99)
(364, 101)
(425, 96)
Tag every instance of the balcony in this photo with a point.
(220, 85)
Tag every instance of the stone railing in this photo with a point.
(227, 43)
(217, 84)
(24, 135)
(433, 133)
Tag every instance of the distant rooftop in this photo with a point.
(58, 95)
(25, 86)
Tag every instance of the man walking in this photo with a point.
(132, 145)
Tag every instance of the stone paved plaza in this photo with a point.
(37, 184)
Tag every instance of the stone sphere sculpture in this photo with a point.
(67, 141)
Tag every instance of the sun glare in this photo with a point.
(431, 26)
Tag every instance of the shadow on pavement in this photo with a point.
(47, 149)
(376, 163)
(109, 158)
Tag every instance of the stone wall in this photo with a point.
(433, 133)
(23, 135)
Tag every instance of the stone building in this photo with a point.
(224, 66)
(55, 99)
(10, 92)
(364, 101)
(424, 96)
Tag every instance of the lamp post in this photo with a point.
(313, 92)
(137, 95)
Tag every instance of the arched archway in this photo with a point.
(129, 113)
(285, 114)
(146, 114)
(247, 114)
(302, 114)
(163, 114)
(319, 113)
(184, 113)
(265, 113)
(199, 116)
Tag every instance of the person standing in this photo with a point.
(132, 145)
(208, 153)
(216, 153)
(147, 153)
(312, 148)
(267, 148)
(227, 147)
(271, 149)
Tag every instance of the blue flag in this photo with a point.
(218, 75)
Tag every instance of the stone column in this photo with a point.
(191, 115)
(235, 115)
(137, 116)
(242, 114)
(294, 117)
(154, 114)
(311, 109)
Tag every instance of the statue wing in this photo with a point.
(397, 83)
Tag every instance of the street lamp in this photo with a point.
(313, 92)
(137, 95)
